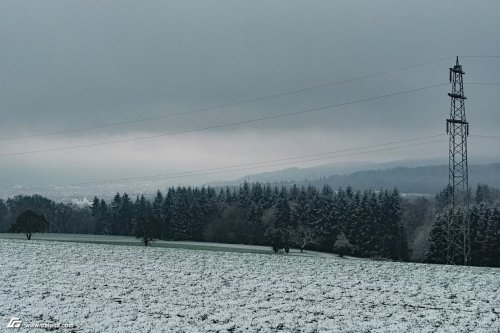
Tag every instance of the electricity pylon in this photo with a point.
(458, 228)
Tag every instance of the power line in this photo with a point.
(482, 83)
(494, 137)
(122, 123)
(237, 167)
(332, 157)
(479, 56)
(269, 163)
(311, 160)
(247, 101)
(236, 123)
(234, 168)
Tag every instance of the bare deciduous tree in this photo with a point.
(304, 236)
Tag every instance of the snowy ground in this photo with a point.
(117, 288)
(128, 240)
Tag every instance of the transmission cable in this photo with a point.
(237, 167)
(247, 101)
(236, 123)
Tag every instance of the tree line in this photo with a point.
(356, 223)
(376, 224)
(484, 219)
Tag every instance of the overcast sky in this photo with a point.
(73, 64)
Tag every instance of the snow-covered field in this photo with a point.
(117, 288)
(128, 240)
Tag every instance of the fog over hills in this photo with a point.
(409, 177)
(298, 174)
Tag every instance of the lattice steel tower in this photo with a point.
(458, 242)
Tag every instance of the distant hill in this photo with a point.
(422, 179)
(425, 180)
(326, 170)
(419, 177)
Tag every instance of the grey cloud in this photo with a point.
(71, 64)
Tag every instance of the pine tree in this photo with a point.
(394, 242)
(180, 216)
(436, 246)
(485, 244)
(244, 194)
(168, 207)
(125, 216)
(252, 224)
(146, 226)
(3, 213)
(157, 205)
(257, 194)
(361, 235)
(443, 198)
(228, 199)
(326, 216)
(342, 246)
(493, 232)
(302, 213)
(376, 232)
(400, 250)
(95, 213)
(483, 194)
(196, 221)
(283, 220)
(294, 192)
(268, 197)
(158, 210)
(115, 215)
(105, 218)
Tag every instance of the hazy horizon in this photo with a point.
(72, 65)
